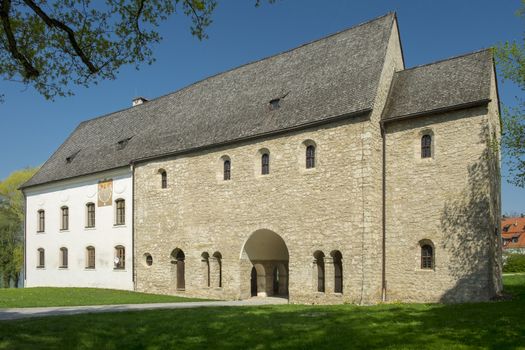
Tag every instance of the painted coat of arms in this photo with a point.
(105, 192)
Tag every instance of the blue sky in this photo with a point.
(32, 127)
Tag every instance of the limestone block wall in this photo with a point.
(310, 209)
(450, 200)
(372, 180)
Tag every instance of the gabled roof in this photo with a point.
(513, 228)
(452, 83)
(331, 77)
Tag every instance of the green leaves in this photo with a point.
(510, 58)
(11, 223)
(55, 45)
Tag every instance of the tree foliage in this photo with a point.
(11, 224)
(53, 45)
(510, 57)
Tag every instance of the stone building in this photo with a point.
(329, 173)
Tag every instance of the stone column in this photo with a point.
(205, 268)
(329, 276)
(215, 272)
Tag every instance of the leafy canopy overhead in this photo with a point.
(511, 64)
(52, 45)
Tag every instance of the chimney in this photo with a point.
(139, 100)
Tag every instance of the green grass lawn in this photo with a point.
(492, 325)
(33, 297)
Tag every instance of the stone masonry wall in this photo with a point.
(447, 200)
(311, 209)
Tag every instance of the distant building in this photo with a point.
(513, 235)
(329, 173)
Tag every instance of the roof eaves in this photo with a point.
(438, 110)
(258, 136)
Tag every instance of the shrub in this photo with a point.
(515, 263)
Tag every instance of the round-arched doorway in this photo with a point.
(264, 265)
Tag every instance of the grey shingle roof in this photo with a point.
(333, 76)
(457, 81)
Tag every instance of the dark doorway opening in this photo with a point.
(253, 281)
(275, 281)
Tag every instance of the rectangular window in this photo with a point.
(120, 257)
(121, 212)
(64, 224)
(90, 258)
(41, 221)
(90, 215)
(41, 259)
(63, 257)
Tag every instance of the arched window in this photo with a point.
(41, 258)
(227, 169)
(310, 157)
(427, 256)
(63, 257)
(163, 178)
(265, 164)
(426, 146)
(319, 270)
(64, 222)
(90, 257)
(338, 271)
(41, 221)
(120, 258)
(90, 215)
(205, 259)
(177, 260)
(120, 215)
(217, 269)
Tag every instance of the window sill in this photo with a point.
(90, 269)
(426, 270)
(89, 228)
(62, 267)
(40, 268)
(119, 225)
(309, 171)
(40, 232)
(64, 230)
(119, 270)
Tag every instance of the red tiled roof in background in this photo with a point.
(513, 228)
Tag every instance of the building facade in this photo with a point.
(78, 232)
(325, 174)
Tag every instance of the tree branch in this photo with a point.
(51, 22)
(29, 70)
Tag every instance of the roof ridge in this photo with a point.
(391, 13)
(445, 59)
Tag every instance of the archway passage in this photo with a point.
(264, 265)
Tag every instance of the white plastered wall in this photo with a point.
(105, 236)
